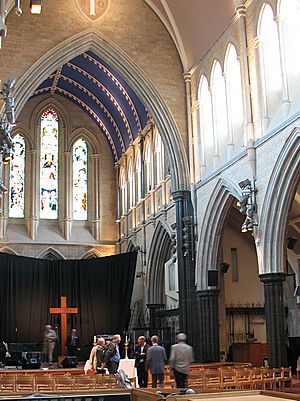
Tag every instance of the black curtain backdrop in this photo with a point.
(100, 288)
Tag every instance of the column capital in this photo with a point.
(67, 154)
(179, 195)
(240, 10)
(187, 76)
(32, 151)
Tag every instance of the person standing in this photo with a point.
(155, 362)
(181, 357)
(140, 354)
(49, 341)
(96, 351)
(73, 343)
(112, 355)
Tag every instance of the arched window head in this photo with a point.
(49, 165)
(138, 175)
(147, 165)
(80, 180)
(123, 191)
(234, 94)
(269, 58)
(130, 183)
(219, 105)
(17, 177)
(205, 121)
(159, 154)
(289, 13)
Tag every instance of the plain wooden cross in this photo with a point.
(63, 311)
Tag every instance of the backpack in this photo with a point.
(122, 379)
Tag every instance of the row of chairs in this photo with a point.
(54, 383)
(240, 378)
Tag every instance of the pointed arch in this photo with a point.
(23, 130)
(7, 249)
(277, 202)
(50, 253)
(211, 228)
(159, 253)
(92, 253)
(131, 246)
(136, 78)
(49, 103)
(85, 134)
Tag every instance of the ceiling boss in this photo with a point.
(93, 9)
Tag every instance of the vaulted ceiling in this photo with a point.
(101, 92)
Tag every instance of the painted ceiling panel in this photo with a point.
(102, 93)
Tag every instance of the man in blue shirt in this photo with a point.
(112, 354)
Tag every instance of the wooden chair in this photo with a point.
(196, 378)
(64, 383)
(85, 382)
(257, 378)
(212, 379)
(243, 378)
(25, 383)
(269, 381)
(45, 384)
(7, 383)
(286, 377)
(228, 378)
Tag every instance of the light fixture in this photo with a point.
(36, 6)
(247, 205)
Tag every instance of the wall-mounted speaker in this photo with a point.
(224, 267)
(212, 278)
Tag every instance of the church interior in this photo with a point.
(150, 172)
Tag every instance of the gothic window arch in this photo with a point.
(269, 61)
(138, 175)
(207, 142)
(49, 136)
(234, 94)
(122, 184)
(17, 178)
(80, 179)
(289, 12)
(159, 158)
(147, 166)
(220, 122)
(130, 177)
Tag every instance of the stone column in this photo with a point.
(118, 221)
(275, 318)
(186, 271)
(33, 219)
(96, 231)
(187, 80)
(68, 201)
(4, 201)
(209, 325)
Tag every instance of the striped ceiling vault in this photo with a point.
(102, 93)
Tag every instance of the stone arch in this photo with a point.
(274, 211)
(159, 249)
(211, 228)
(50, 253)
(91, 254)
(131, 246)
(131, 72)
(7, 249)
(22, 130)
(90, 139)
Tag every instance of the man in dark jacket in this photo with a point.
(112, 354)
(155, 361)
(73, 343)
(140, 354)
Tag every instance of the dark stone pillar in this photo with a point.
(275, 319)
(188, 323)
(209, 325)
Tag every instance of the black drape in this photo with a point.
(101, 289)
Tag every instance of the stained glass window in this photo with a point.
(17, 177)
(80, 180)
(49, 165)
